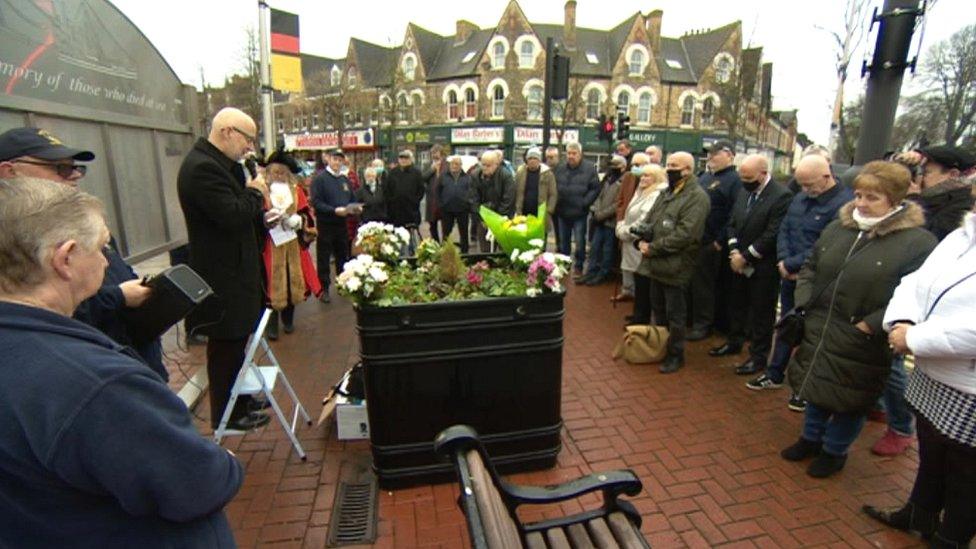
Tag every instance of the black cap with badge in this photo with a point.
(39, 144)
(949, 157)
(722, 145)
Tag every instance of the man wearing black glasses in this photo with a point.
(35, 153)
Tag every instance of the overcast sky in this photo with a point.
(209, 34)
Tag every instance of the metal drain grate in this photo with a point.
(353, 514)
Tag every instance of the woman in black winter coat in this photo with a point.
(841, 365)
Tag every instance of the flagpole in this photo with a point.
(269, 131)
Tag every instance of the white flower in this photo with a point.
(515, 254)
(549, 257)
(403, 234)
(533, 292)
(536, 243)
(377, 273)
(528, 256)
(353, 284)
(387, 249)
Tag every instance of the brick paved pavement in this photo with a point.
(705, 447)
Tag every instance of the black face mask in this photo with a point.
(674, 176)
(750, 185)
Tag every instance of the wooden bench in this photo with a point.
(489, 503)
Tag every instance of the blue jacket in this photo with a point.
(722, 187)
(330, 191)
(578, 188)
(97, 451)
(105, 311)
(804, 221)
(454, 195)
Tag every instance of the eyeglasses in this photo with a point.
(250, 138)
(63, 170)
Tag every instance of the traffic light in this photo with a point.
(623, 126)
(604, 129)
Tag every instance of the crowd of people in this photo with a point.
(877, 268)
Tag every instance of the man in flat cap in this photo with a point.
(946, 196)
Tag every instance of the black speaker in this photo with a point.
(176, 292)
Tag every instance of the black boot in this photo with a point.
(939, 542)
(672, 364)
(272, 329)
(801, 450)
(825, 465)
(908, 519)
(288, 318)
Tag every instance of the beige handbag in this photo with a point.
(642, 344)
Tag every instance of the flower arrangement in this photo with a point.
(517, 232)
(382, 241)
(362, 278)
(440, 273)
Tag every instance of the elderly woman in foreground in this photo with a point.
(931, 317)
(842, 363)
(97, 450)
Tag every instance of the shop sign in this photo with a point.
(478, 135)
(533, 136)
(351, 140)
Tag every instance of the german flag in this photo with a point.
(286, 65)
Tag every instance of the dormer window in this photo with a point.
(527, 55)
(636, 62)
(409, 67)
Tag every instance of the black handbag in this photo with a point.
(789, 328)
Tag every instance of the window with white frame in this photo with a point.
(409, 67)
(688, 111)
(335, 76)
(708, 112)
(304, 122)
(281, 126)
(470, 105)
(402, 107)
(415, 101)
(452, 106)
(527, 55)
(644, 108)
(723, 68)
(623, 102)
(636, 62)
(498, 102)
(534, 103)
(351, 76)
(315, 120)
(387, 107)
(295, 124)
(593, 104)
(498, 56)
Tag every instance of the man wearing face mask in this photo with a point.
(604, 214)
(670, 251)
(722, 184)
(752, 232)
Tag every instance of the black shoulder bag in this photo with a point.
(789, 328)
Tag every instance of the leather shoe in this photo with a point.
(622, 298)
(248, 422)
(597, 280)
(724, 349)
(749, 368)
(258, 404)
(671, 364)
(698, 334)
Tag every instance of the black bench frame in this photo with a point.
(454, 442)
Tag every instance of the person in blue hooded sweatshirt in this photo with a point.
(97, 450)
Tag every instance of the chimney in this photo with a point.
(569, 25)
(463, 30)
(653, 22)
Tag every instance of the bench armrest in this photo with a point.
(611, 483)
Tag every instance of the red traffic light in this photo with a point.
(608, 127)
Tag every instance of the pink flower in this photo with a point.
(474, 278)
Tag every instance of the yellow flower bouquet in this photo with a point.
(516, 233)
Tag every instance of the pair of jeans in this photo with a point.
(568, 230)
(946, 481)
(669, 307)
(448, 219)
(601, 251)
(893, 399)
(836, 431)
(781, 351)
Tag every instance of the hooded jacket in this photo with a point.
(97, 450)
(945, 205)
(943, 338)
(837, 366)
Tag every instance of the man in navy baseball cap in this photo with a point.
(33, 152)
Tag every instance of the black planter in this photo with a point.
(494, 364)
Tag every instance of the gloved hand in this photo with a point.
(293, 222)
(272, 217)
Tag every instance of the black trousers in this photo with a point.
(448, 219)
(671, 310)
(224, 360)
(752, 311)
(333, 240)
(946, 480)
(702, 287)
(642, 299)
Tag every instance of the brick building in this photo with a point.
(482, 88)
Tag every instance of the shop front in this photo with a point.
(422, 140)
(525, 137)
(359, 145)
(474, 140)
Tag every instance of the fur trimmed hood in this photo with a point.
(910, 216)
